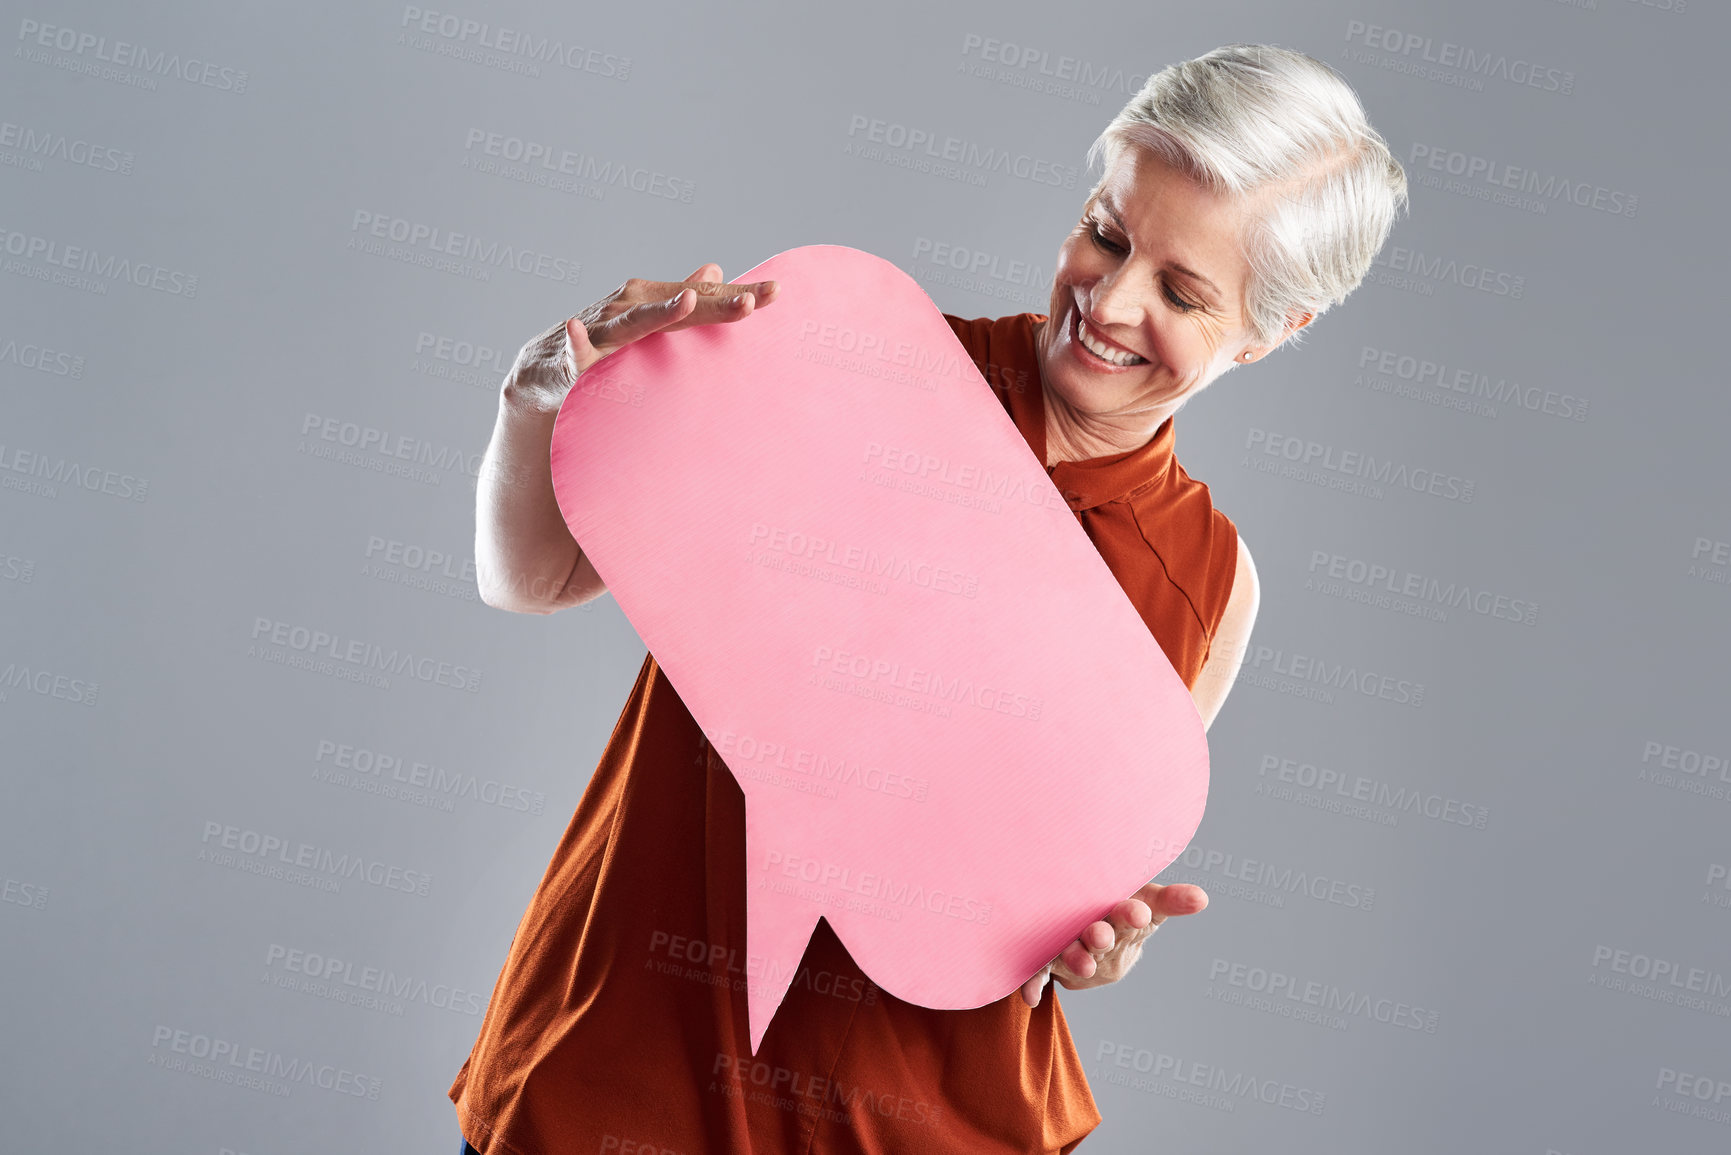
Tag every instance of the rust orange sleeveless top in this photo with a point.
(618, 1021)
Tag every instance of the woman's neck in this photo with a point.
(1072, 435)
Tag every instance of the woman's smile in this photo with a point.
(1147, 305)
(1084, 340)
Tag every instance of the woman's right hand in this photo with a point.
(547, 366)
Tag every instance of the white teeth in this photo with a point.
(1105, 352)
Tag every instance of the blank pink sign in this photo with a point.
(957, 740)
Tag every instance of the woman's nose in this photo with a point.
(1112, 300)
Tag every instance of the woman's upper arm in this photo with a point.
(582, 584)
(1231, 638)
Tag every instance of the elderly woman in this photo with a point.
(1244, 192)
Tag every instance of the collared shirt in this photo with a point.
(619, 1014)
(1133, 504)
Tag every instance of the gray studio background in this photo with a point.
(1468, 859)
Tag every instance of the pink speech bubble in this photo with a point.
(957, 739)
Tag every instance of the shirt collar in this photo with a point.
(1097, 480)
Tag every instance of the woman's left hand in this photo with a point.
(1106, 950)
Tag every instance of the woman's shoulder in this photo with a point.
(981, 330)
(1002, 349)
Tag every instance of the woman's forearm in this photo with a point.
(524, 553)
(525, 557)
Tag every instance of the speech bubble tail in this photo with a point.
(777, 928)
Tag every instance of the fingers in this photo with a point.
(656, 306)
(1175, 899)
(711, 301)
(1120, 933)
(1079, 960)
(717, 302)
(1129, 917)
(1032, 989)
(641, 320)
(577, 341)
(714, 287)
(1115, 942)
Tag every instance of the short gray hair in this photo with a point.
(1252, 118)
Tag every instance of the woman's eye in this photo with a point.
(1100, 239)
(1111, 247)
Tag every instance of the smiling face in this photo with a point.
(1155, 273)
